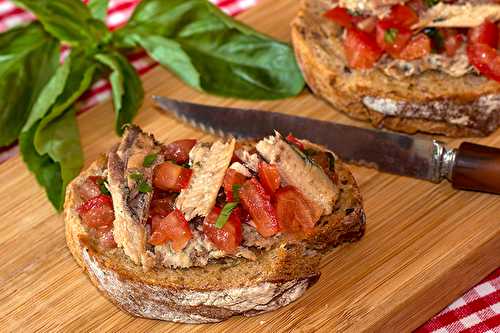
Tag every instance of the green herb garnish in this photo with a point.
(390, 35)
(207, 49)
(142, 184)
(144, 187)
(430, 3)
(224, 214)
(236, 192)
(138, 177)
(149, 160)
(102, 183)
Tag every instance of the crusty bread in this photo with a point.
(221, 289)
(413, 104)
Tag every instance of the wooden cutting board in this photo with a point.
(425, 244)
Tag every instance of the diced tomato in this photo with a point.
(178, 151)
(258, 204)
(89, 188)
(452, 41)
(390, 38)
(418, 47)
(269, 176)
(361, 51)
(293, 140)
(402, 16)
(486, 33)
(341, 16)
(172, 227)
(227, 238)
(296, 215)
(97, 212)
(231, 178)
(485, 59)
(171, 177)
(162, 206)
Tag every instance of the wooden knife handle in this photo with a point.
(477, 168)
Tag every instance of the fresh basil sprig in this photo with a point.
(211, 51)
(204, 47)
(28, 58)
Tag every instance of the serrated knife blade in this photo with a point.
(471, 166)
(386, 151)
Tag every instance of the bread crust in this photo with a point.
(320, 55)
(218, 291)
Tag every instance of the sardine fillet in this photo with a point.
(209, 168)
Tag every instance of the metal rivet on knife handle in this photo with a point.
(476, 168)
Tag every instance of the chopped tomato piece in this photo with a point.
(231, 178)
(227, 238)
(341, 16)
(89, 188)
(418, 47)
(171, 177)
(269, 176)
(361, 51)
(293, 140)
(486, 33)
(161, 205)
(172, 227)
(390, 38)
(178, 151)
(258, 204)
(402, 16)
(452, 41)
(97, 212)
(485, 59)
(296, 215)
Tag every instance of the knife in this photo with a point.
(470, 167)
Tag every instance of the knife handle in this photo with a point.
(476, 168)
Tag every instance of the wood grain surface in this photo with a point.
(425, 244)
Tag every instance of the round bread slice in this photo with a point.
(223, 288)
(432, 102)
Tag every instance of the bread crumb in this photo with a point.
(262, 322)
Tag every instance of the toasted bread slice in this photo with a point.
(432, 102)
(225, 287)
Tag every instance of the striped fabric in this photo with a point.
(478, 311)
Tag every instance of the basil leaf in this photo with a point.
(149, 160)
(103, 186)
(170, 54)
(98, 9)
(137, 177)
(28, 58)
(68, 20)
(390, 35)
(144, 187)
(225, 214)
(63, 158)
(77, 82)
(211, 51)
(431, 3)
(128, 93)
(49, 94)
(51, 147)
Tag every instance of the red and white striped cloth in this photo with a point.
(478, 311)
